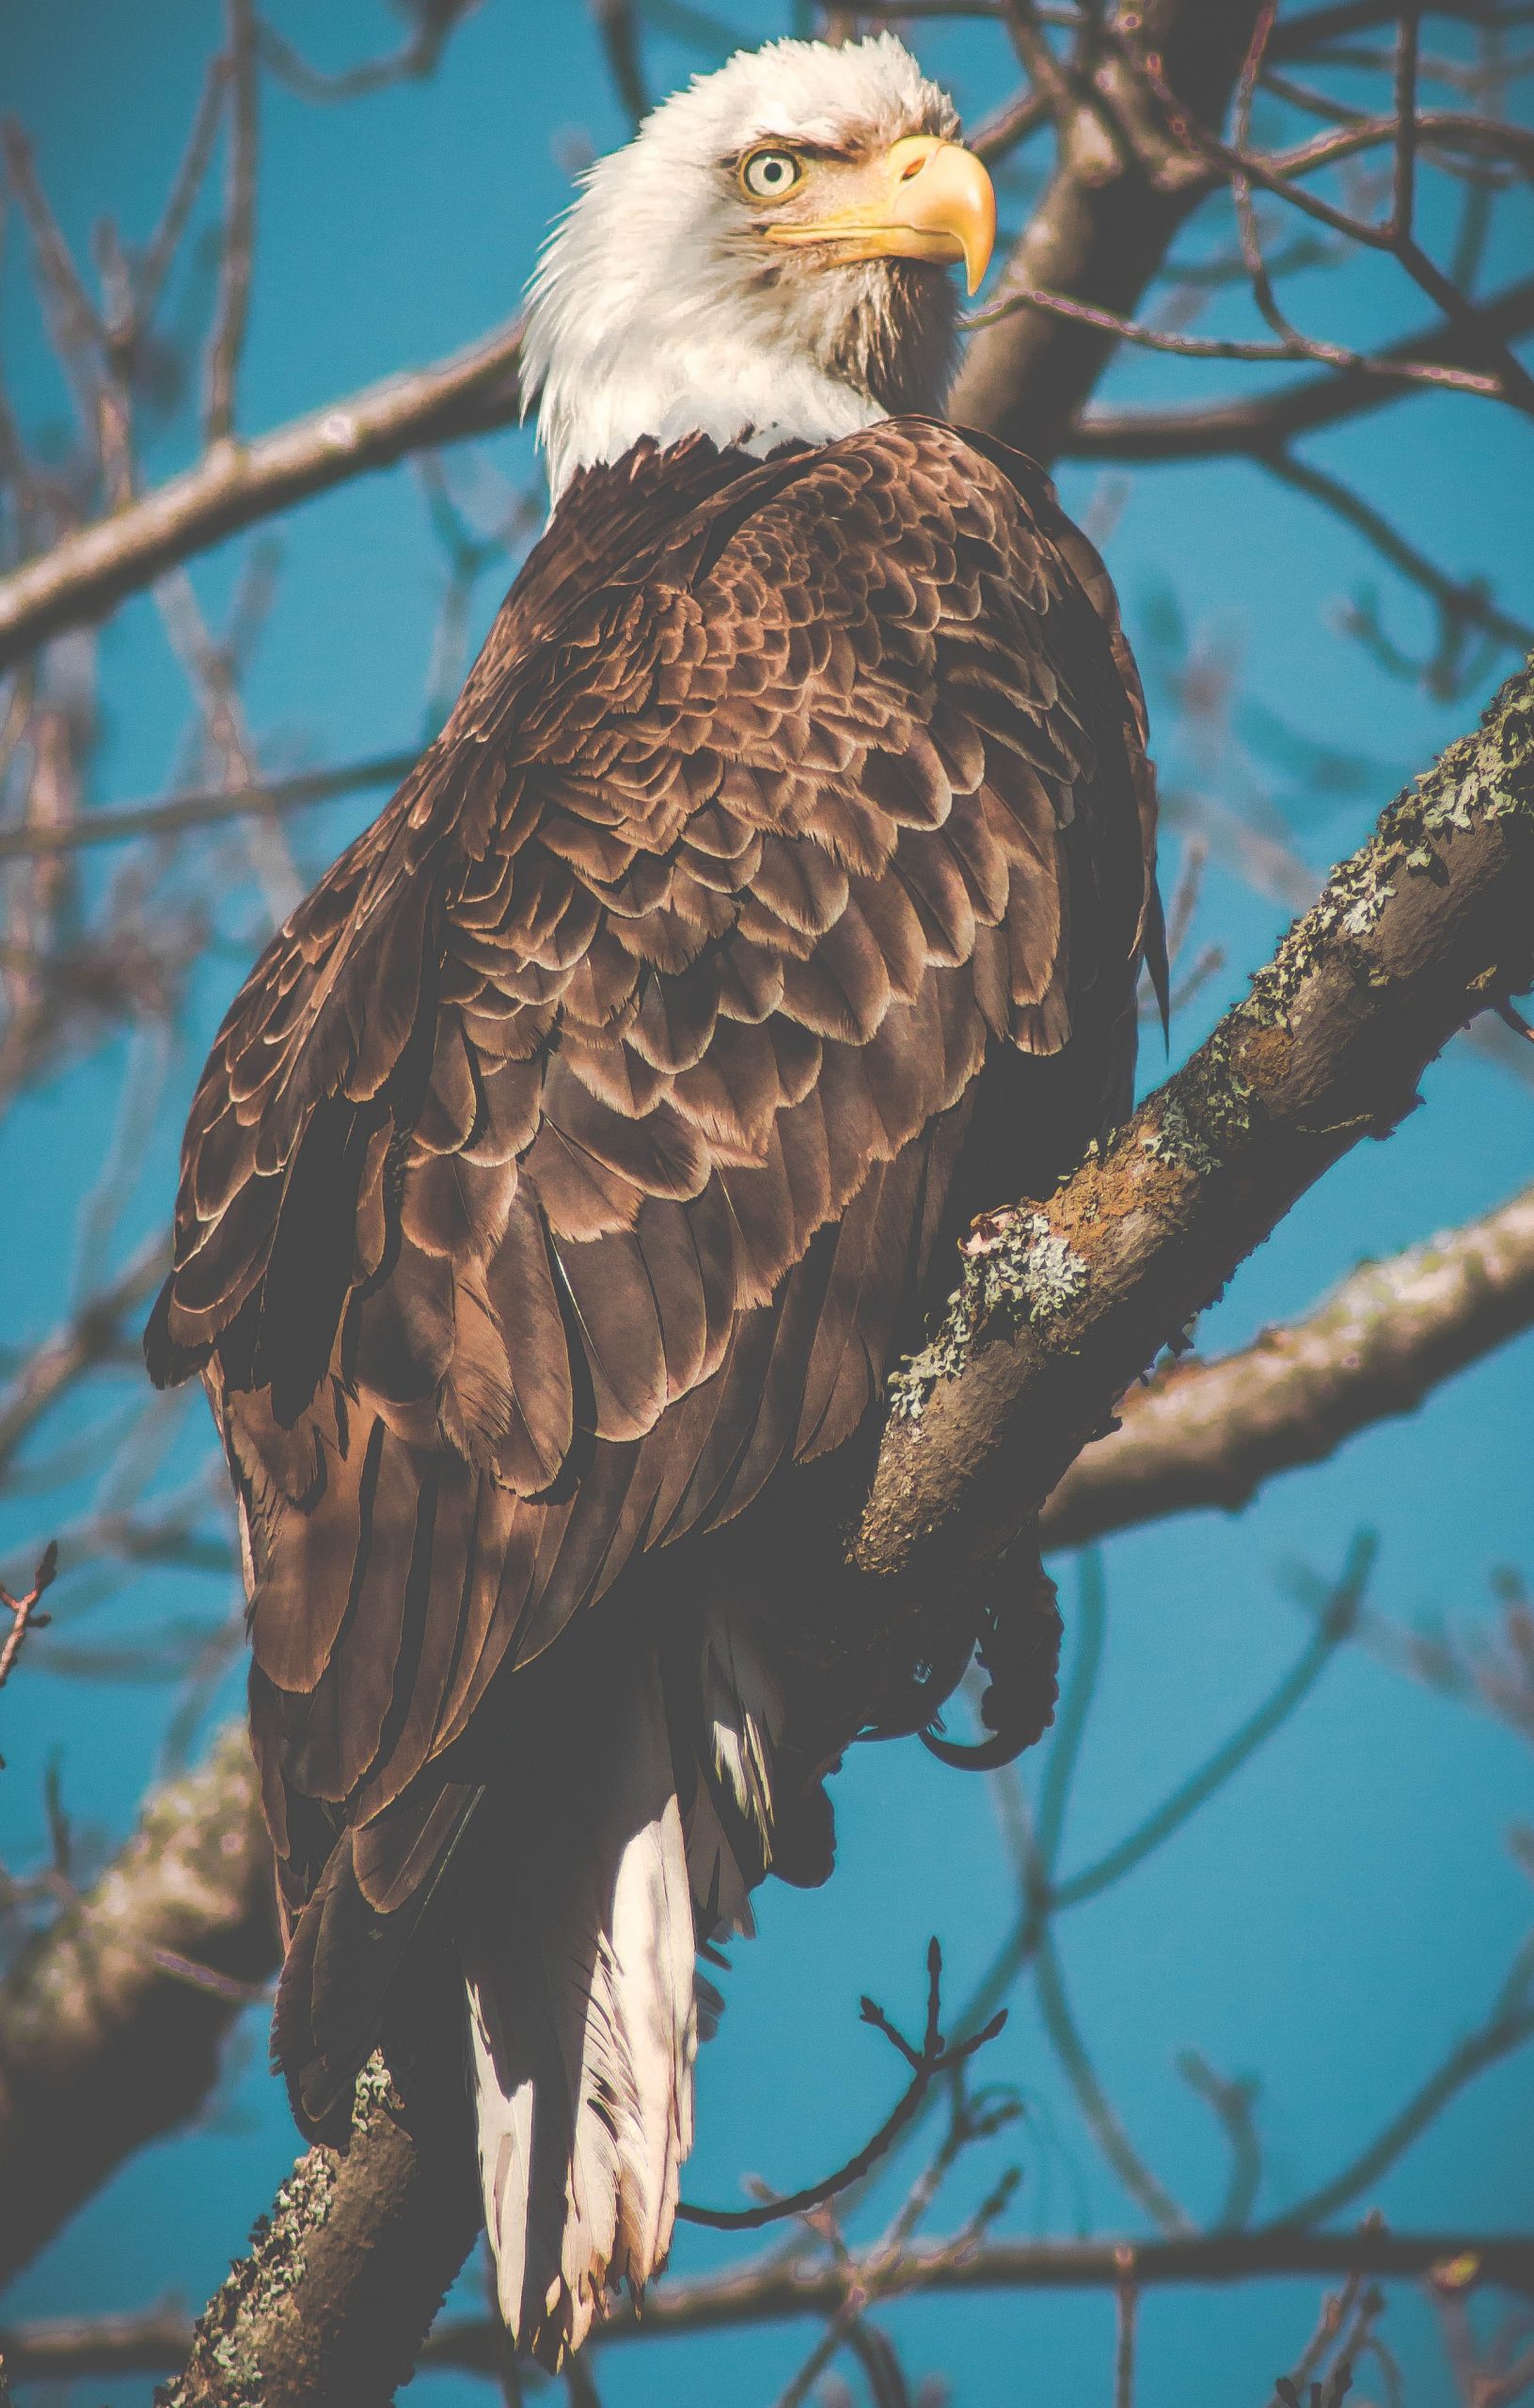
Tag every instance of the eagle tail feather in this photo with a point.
(582, 2022)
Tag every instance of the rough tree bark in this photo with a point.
(353, 2263)
(1430, 922)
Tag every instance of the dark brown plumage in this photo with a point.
(573, 1164)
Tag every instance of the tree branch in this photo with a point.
(83, 1342)
(473, 392)
(772, 2291)
(1270, 421)
(104, 2042)
(1119, 192)
(205, 807)
(344, 2280)
(1211, 1433)
(1430, 921)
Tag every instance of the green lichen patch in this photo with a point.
(1018, 1272)
(221, 2366)
(1488, 776)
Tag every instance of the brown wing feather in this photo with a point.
(568, 1161)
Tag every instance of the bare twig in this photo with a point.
(227, 341)
(1287, 346)
(1127, 2299)
(25, 1616)
(206, 807)
(416, 58)
(935, 2056)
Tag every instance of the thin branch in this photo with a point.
(1335, 1624)
(1232, 2103)
(415, 59)
(935, 2056)
(1000, 133)
(81, 1344)
(166, 241)
(206, 807)
(1462, 605)
(1291, 346)
(1271, 420)
(227, 341)
(1508, 2027)
(1102, 2118)
(1309, 30)
(773, 2290)
(1127, 2300)
(618, 28)
(25, 1616)
(1513, 383)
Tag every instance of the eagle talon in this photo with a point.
(979, 1755)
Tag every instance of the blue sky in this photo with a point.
(1344, 1910)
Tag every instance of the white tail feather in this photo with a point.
(583, 2032)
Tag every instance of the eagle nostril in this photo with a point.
(911, 167)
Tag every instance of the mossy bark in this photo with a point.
(1432, 920)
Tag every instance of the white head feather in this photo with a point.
(656, 311)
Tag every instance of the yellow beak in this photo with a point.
(925, 199)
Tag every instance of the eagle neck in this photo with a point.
(748, 403)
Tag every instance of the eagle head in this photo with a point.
(764, 262)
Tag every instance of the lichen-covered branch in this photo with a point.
(1062, 1307)
(343, 2279)
(104, 2041)
(1210, 1433)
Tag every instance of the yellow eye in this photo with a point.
(771, 175)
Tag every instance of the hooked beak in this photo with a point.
(925, 199)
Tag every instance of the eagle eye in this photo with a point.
(772, 173)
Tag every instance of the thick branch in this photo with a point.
(774, 2293)
(1210, 1433)
(471, 393)
(104, 2041)
(1119, 192)
(344, 2280)
(1432, 920)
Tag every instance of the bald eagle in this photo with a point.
(579, 1159)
